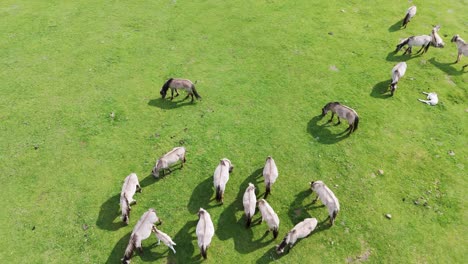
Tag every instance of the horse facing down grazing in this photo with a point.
(398, 71)
(142, 231)
(462, 47)
(269, 216)
(204, 231)
(327, 197)
(249, 200)
(163, 163)
(130, 186)
(270, 174)
(301, 230)
(221, 177)
(410, 13)
(343, 112)
(436, 39)
(176, 84)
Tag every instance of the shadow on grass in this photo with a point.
(271, 256)
(447, 68)
(381, 90)
(201, 197)
(168, 104)
(396, 26)
(392, 56)
(297, 212)
(323, 135)
(110, 210)
(185, 249)
(119, 250)
(150, 179)
(231, 228)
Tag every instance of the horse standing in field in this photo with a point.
(163, 163)
(462, 47)
(269, 216)
(142, 231)
(398, 71)
(177, 84)
(343, 112)
(327, 197)
(410, 13)
(301, 230)
(249, 200)
(130, 186)
(221, 177)
(205, 231)
(270, 174)
(423, 41)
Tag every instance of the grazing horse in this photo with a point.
(436, 39)
(343, 112)
(433, 99)
(142, 231)
(167, 240)
(205, 231)
(270, 174)
(423, 41)
(301, 230)
(130, 186)
(269, 216)
(398, 71)
(249, 200)
(462, 48)
(176, 154)
(221, 177)
(327, 197)
(176, 84)
(410, 13)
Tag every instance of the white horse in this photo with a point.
(398, 71)
(301, 230)
(462, 47)
(142, 231)
(205, 231)
(130, 186)
(423, 41)
(269, 216)
(433, 99)
(328, 198)
(167, 240)
(176, 154)
(436, 39)
(270, 174)
(410, 13)
(250, 201)
(221, 177)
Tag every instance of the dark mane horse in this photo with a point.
(343, 112)
(176, 84)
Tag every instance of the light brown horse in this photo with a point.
(462, 47)
(176, 84)
(343, 112)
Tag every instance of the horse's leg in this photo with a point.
(420, 49)
(192, 97)
(458, 58)
(339, 121)
(186, 96)
(315, 200)
(331, 118)
(172, 94)
(406, 51)
(177, 93)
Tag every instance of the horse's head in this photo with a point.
(157, 168)
(163, 93)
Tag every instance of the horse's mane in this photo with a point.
(166, 84)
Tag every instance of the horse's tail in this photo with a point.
(203, 251)
(195, 92)
(402, 43)
(129, 250)
(275, 232)
(249, 220)
(219, 193)
(268, 190)
(335, 213)
(356, 123)
(406, 20)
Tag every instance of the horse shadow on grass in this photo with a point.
(381, 90)
(184, 239)
(119, 249)
(201, 196)
(297, 212)
(392, 56)
(396, 26)
(323, 135)
(108, 213)
(446, 67)
(231, 228)
(168, 104)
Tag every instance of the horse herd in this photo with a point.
(148, 222)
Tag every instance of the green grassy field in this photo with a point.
(264, 69)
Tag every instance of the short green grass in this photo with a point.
(264, 69)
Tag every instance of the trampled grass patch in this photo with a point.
(81, 110)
